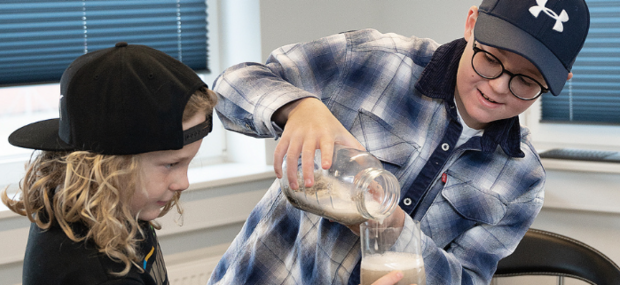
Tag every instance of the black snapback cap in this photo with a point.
(126, 99)
(549, 33)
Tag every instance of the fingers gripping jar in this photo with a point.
(356, 188)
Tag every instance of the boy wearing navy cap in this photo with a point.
(442, 118)
(131, 120)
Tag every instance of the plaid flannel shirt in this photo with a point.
(395, 94)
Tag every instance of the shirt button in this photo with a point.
(445, 147)
(407, 201)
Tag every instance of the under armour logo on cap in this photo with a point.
(562, 18)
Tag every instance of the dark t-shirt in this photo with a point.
(53, 258)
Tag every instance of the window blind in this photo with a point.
(39, 39)
(593, 95)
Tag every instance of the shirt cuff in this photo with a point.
(275, 130)
(265, 110)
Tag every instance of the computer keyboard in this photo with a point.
(582, 154)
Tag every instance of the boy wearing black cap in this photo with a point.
(443, 119)
(131, 120)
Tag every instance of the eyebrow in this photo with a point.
(179, 157)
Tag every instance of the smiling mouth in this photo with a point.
(487, 98)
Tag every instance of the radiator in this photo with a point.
(196, 272)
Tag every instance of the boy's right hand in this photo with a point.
(308, 125)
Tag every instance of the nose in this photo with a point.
(501, 85)
(181, 181)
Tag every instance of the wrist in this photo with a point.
(397, 218)
(280, 116)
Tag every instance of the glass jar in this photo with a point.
(354, 189)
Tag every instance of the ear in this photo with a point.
(570, 75)
(470, 23)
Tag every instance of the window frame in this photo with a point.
(570, 134)
(592, 96)
(218, 141)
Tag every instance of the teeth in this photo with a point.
(488, 99)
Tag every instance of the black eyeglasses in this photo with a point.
(521, 86)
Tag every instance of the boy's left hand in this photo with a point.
(390, 278)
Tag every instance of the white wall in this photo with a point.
(289, 21)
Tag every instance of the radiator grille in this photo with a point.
(195, 273)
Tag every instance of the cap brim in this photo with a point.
(42, 135)
(495, 32)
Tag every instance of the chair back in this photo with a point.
(546, 253)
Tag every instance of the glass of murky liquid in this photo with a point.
(385, 250)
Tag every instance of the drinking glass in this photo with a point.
(380, 257)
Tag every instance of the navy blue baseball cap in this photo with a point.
(549, 33)
(126, 99)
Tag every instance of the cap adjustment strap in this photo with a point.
(199, 131)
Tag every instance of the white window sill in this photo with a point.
(581, 185)
(581, 166)
(211, 176)
(577, 165)
(227, 173)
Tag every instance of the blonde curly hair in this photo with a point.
(63, 188)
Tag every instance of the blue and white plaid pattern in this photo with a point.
(395, 95)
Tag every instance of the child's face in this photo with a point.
(481, 101)
(163, 173)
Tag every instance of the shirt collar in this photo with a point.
(438, 81)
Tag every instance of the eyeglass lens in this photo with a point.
(488, 66)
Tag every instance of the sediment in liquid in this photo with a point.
(330, 199)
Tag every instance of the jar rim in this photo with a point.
(387, 201)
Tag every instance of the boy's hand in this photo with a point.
(396, 219)
(390, 278)
(308, 125)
